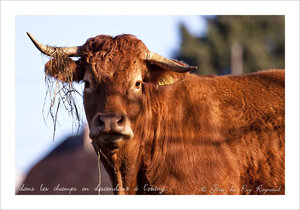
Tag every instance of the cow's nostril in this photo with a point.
(121, 120)
(100, 122)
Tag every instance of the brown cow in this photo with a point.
(163, 130)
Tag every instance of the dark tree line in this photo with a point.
(235, 44)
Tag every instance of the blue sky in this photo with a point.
(34, 135)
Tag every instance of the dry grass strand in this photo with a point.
(61, 94)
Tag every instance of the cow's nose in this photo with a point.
(111, 123)
(107, 126)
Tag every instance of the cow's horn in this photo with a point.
(166, 63)
(51, 51)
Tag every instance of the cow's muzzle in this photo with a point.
(110, 128)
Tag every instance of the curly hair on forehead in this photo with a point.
(104, 46)
(105, 54)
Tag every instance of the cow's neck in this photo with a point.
(123, 165)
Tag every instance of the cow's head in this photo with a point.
(115, 71)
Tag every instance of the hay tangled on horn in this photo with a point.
(61, 94)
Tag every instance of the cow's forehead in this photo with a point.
(120, 69)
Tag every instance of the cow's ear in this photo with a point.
(64, 69)
(160, 76)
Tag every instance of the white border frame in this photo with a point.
(10, 9)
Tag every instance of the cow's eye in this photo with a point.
(138, 84)
(86, 84)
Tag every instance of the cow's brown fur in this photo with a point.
(199, 135)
